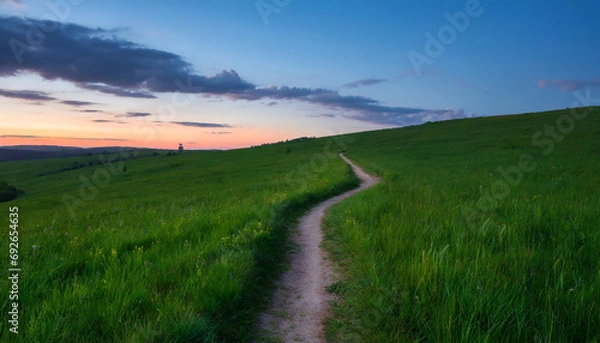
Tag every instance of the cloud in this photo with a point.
(220, 132)
(135, 114)
(355, 107)
(373, 81)
(108, 121)
(95, 58)
(90, 111)
(442, 114)
(77, 103)
(364, 82)
(40, 96)
(26, 95)
(73, 138)
(274, 92)
(118, 91)
(323, 115)
(568, 85)
(21, 136)
(194, 124)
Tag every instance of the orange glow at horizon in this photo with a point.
(189, 137)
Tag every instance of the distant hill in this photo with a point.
(38, 152)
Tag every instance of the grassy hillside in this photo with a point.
(482, 230)
(159, 248)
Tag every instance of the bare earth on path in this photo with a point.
(300, 301)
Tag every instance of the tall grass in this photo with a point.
(174, 249)
(426, 256)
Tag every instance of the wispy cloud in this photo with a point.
(194, 124)
(373, 81)
(77, 103)
(26, 95)
(220, 132)
(323, 115)
(364, 82)
(70, 138)
(41, 96)
(20, 136)
(135, 114)
(356, 107)
(122, 92)
(568, 85)
(108, 121)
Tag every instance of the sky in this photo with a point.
(231, 74)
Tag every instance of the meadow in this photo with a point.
(482, 230)
(180, 248)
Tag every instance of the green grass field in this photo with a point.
(174, 249)
(481, 230)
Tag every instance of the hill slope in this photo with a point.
(160, 248)
(482, 230)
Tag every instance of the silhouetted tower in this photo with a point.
(180, 147)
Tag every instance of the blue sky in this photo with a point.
(298, 68)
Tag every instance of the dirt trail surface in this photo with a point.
(300, 301)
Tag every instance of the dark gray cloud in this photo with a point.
(364, 82)
(135, 114)
(354, 107)
(323, 115)
(108, 121)
(194, 124)
(97, 59)
(77, 103)
(284, 92)
(118, 91)
(26, 95)
(90, 111)
(41, 96)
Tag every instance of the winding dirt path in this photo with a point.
(300, 301)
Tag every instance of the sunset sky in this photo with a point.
(227, 74)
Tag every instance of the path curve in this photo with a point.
(300, 301)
